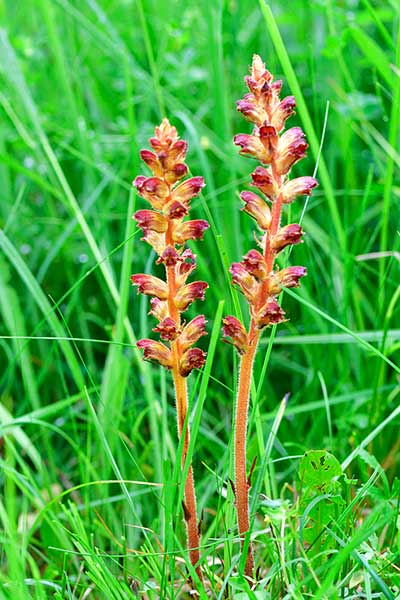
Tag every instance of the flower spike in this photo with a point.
(165, 229)
(256, 275)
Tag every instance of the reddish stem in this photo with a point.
(242, 485)
(190, 509)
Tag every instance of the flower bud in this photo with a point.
(257, 208)
(189, 293)
(192, 332)
(191, 359)
(152, 162)
(234, 329)
(156, 351)
(259, 75)
(189, 230)
(291, 234)
(149, 219)
(298, 187)
(254, 263)
(159, 309)
(246, 281)
(176, 172)
(174, 155)
(291, 148)
(270, 314)
(263, 180)
(150, 285)
(167, 329)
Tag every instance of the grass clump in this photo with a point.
(90, 505)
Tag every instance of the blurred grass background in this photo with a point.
(82, 86)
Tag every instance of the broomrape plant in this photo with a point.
(256, 275)
(167, 232)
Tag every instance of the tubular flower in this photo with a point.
(234, 329)
(166, 231)
(156, 351)
(256, 208)
(256, 275)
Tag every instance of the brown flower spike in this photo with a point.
(166, 231)
(256, 275)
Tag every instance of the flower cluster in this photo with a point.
(165, 229)
(277, 152)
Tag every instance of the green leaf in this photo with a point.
(318, 468)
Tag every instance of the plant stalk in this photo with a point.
(242, 482)
(190, 508)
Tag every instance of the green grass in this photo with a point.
(90, 505)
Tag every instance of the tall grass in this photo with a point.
(87, 429)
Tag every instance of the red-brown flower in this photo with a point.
(286, 236)
(156, 351)
(257, 208)
(189, 293)
(166, 231)
(234, 329)
(191, 359)
(277, 151)
(150, 285)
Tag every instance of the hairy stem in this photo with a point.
(190, 509)
(242, 484)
